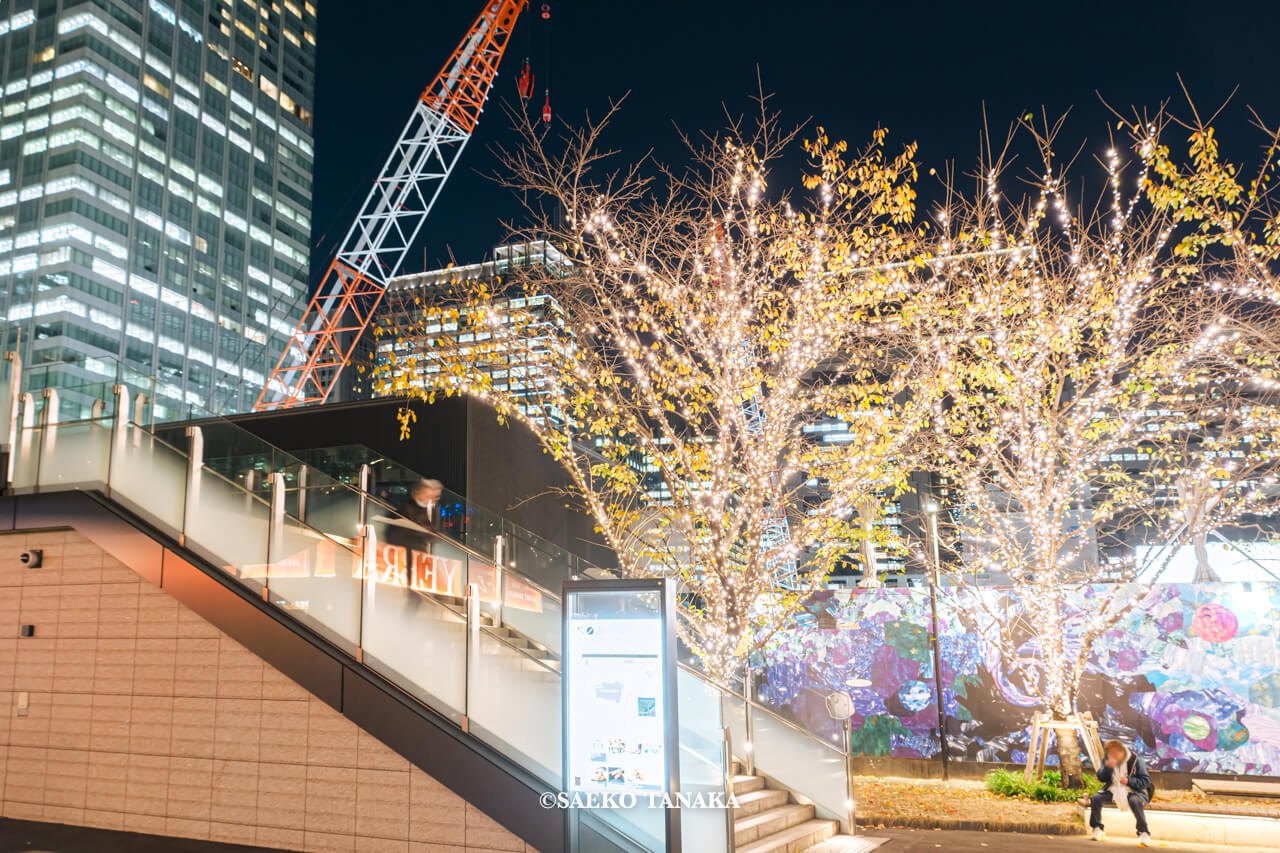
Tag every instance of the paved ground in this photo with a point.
(952, 841)
(22, 836)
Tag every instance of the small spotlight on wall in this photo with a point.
(32, 559)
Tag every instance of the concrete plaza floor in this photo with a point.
(955, 841)
(21, 836)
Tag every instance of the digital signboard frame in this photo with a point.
(619, 699)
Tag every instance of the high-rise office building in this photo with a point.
(155, 192)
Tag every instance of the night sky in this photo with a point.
(924, 70)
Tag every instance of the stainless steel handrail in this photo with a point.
(764, 710)
(455, 497)
(483, 558)
(284, 454)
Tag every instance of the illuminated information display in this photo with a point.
(617, 678)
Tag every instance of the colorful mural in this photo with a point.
(1191, 676)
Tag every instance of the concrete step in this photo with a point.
(793, 839)
(769, 822)
(1221, 831)
(755, 802)
(849, 844)
(745, 784)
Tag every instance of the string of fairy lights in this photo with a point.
(1092, 337)
(1016, 346)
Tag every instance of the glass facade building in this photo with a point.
(155, 192)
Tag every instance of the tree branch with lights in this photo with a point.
(1106, 386)
(704, 318)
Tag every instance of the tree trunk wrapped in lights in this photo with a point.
(702, 320)
(1106, 379)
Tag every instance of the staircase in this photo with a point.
(768, 820)
(504, 634)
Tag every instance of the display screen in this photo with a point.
(615, 704)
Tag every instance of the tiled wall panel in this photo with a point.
(142, 716)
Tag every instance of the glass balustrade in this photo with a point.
(704, 753)
(461, 520)
(149, 477)
(8, 399)
(394, 596)
(796, 758)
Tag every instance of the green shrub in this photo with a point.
(1047, 789)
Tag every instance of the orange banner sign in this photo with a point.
(486, 580)
(522, 596)
(436, 574)
(390, 562)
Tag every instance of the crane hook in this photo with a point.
(546, 108)
(525, 84)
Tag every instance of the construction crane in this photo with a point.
(443, 119)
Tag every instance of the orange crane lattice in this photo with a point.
(401, 198)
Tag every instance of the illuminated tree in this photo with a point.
(703, 320)
(1106, 380)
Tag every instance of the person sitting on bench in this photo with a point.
(1126, 783)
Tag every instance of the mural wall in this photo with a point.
(1191, 676)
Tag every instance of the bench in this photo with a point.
(1236, 788)
(1220, 809)
(1248, 827)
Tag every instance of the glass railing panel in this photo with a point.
(539, 560)
(149, 477)
(702, 764)
(735, 720)
(6, 396)
(483, 528)
(513, 703)
(462, 520)
(410, 636)
(318, 581)
(798, 761)
(531, 610)
(333, 509)
(75, 455)
(26, 459)
(229, 527)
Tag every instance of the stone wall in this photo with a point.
(142, 716)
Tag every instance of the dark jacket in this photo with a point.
(1139, 778)
(412, 539)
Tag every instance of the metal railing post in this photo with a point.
(195, 466)
(748, 683)
(473, 651)
(848, 777)
(275, 536)
(368, 561)
(48, 422)
(14, 401)
(499, 563)
(731, 843)
(366, 482)
(50, 415)
(120, 427)
(27, 435)
(302, 493)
